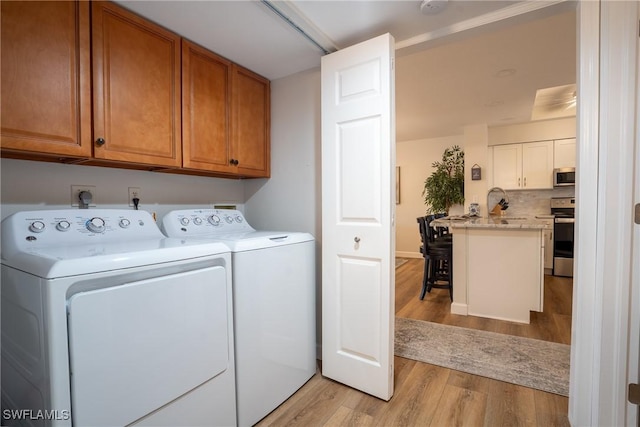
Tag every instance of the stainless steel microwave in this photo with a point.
(564, 177)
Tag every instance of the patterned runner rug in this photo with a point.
(524, 361)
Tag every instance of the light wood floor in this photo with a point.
(428, 395)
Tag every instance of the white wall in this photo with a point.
(28, 185)
(476, 152)
(291, 199)
(414, 159)
(543, 130)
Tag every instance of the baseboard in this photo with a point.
(457, 308)
(403, 254)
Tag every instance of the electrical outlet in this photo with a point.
(134, 192)
(75, 194)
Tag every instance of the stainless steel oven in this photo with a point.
(563, 235)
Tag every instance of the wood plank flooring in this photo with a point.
(428, 395)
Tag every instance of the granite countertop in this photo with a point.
(491, 222)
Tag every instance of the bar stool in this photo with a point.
(438, 257)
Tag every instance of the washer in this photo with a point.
(273, 302)
(105, 321)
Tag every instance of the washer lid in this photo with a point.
(53, 244)
(57, 262)
(239, 242)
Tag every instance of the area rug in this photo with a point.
(524, 361)
(400, 261)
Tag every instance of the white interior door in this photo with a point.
(358, 210)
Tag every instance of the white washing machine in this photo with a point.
(273, 303)
(106, 322)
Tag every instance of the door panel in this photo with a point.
(46, 77)
(359, 192)
(358, 203)
(205, 109)
(136, 72)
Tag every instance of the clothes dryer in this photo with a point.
(105, 321)
(273, 302)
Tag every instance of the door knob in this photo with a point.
(356, 239)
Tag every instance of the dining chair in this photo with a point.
(438, 257)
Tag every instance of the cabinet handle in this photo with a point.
(100, 142)
(525, 181)
(234, 162)
(518, 182)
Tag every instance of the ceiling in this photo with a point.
(471, 62)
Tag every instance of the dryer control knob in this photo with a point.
(214, 220)
(197, 220)
(124, 223)
(239, 218)
(229, 219)
(184, 221)
(37, 226)
(96, 225)
(63, 225)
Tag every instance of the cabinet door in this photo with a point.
(537, 165)
(46, 86)
(136, 71)
(250, 115)
(548, 245)
(507, 166)
(564, 153)
(205, 110)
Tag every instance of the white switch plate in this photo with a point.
(134, 192)
(75, 193)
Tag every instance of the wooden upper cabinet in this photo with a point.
(46, 80)
(251, 123)
(136, 89)
(206, 80)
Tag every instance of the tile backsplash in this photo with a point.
(535, 202)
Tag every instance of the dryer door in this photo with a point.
(137, 346)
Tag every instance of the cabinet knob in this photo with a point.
(234, 162)
(100, 142)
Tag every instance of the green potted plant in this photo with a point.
(445, 187)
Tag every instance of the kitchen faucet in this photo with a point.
(503, 203)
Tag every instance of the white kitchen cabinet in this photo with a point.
(564, 153)
(526, 166)
(498, 271)
(548, 245)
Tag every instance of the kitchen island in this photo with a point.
(498, 266)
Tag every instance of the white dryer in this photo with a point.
(105, 322)
(273, 303)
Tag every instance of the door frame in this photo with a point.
(605, 156)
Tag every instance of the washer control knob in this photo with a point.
(197, 220)
(124, 223)
(214, 220)
(63, 225)
(96, 225)
(184, 220)
(239, 218)
(37, 226)
(229, 219)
